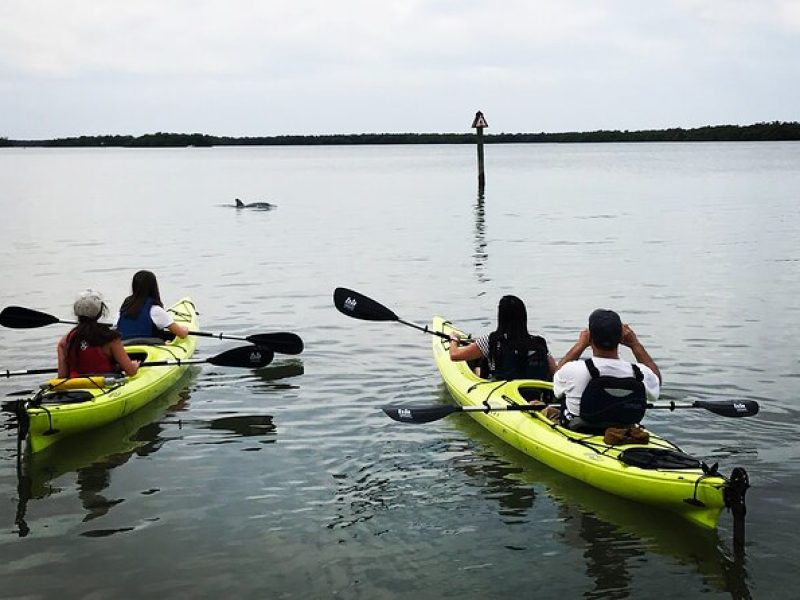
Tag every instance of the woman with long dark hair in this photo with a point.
(509, 352)
(142, 314)
(92, 347)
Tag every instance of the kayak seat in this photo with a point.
(70, 397)
(144, 341)
(535, 393)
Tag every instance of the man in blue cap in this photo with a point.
(604, 390)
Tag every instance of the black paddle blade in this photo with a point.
(422, 414)
(733, 408)
(10, 406)
(18, 317)
(282, 342)
(248, 357)
(359, 306)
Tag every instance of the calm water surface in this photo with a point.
(290, 482)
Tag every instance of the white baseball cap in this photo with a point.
(89, 303)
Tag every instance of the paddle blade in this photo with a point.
(359, 306)
(422, 414)
(247, 357)
(18, 317)
(733, 408)
(282, 342)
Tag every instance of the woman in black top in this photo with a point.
(509, 352)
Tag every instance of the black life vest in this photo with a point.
(518, 361)
(609, 401)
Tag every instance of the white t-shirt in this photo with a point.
(573, 377)
(160, 317)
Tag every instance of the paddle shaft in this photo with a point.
(426, 414)
(253, 357)
(424, 328)
(159, 363)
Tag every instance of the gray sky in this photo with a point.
(248, 67)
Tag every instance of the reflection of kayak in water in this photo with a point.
(91, 456)
(612, 532)
(655, 472)
(137, 432)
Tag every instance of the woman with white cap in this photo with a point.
(92, 347)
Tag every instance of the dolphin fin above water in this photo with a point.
(256, 205)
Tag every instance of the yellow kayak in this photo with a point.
(655, 473)
(66, 407)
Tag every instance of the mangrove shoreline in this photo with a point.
(773, 131)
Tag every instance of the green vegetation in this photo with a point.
(774, 131)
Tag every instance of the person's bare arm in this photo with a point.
(641, 355)
(552, 367)
(61, 349)
(179, 330)
(574, 353)
(128, 366)
(468, 352)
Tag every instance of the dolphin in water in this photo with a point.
(256, 205)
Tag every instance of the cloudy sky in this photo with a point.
(270, 67)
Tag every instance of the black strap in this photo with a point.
(658, 458)
(594, 372)
(592, 368)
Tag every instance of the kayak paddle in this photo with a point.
(246, 357)
(282, 342)
(723, 408)
(19, 317)
(426, 414)
(358, 306)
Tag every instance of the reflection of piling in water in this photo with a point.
(480, 255)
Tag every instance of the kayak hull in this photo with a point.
(64, 409)
(690, 492)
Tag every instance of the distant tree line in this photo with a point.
(774, 131)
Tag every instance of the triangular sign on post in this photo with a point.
(480, 121)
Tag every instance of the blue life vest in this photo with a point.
(611, 401)
(518, 361)
(140, 326)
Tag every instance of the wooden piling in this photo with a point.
(478, 123)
